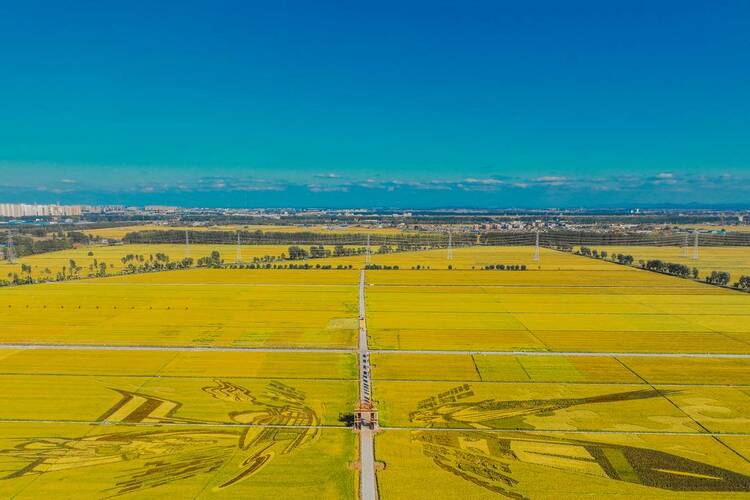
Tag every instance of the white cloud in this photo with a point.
(486, 182)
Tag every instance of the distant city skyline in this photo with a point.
(399, 104)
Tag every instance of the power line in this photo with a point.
(239, 249)
(685, 246)
(11, 253)
(695, 247)
(368, 252)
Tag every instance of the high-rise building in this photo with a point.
(25, 210)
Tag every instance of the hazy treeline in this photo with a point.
(582, 238)
(32, 243)
(419, 241)
(399, 241)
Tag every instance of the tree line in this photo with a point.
(718, 278)
(401, 241)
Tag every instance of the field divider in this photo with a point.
(323, 350)
(569, 353)
(564, 431)
(104, 423)
(178, 348)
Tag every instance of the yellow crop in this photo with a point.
(105, 394)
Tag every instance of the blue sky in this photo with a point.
(409, 104)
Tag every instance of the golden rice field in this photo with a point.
(55, 262)
(104, 389)
(734, 260)
(563, 406)
(620, 309)
(198, 307)
(489, 426)
(137, 423)
(474, 258)
(492, 465)
(564, 369)
(173, 462)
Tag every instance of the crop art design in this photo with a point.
(489, 458)
(276, 422)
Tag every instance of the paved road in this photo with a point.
(93, 347)
(104, 347)
(368, 485)
(369, 452)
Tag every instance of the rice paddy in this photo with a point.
(88, 259)
(734, 260)
(482, 425)
(191, 307)
(576, 377)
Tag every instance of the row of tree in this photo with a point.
(504, 267)
(596, 254)
(241, 265)
(36, 241)
(675, 269)
(402, 241)
(718, 278)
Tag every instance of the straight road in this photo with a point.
(183, 348)
(368, 486)
(360, 351)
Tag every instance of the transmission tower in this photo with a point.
(450, 245)
(187, 245)
(695, 247)
(11, 253)
(239, 249)
(368, 258)
(685, 246)
(536, 248)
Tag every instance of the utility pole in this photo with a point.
(239, 249)
(450, 244)
(536, 248)
(368, 258)
(695, 247)
(187, 245)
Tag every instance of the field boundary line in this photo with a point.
(177, 348)
(323, 350)
(537, 382)
(566, 431)
(569, 353)
(104, 423)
